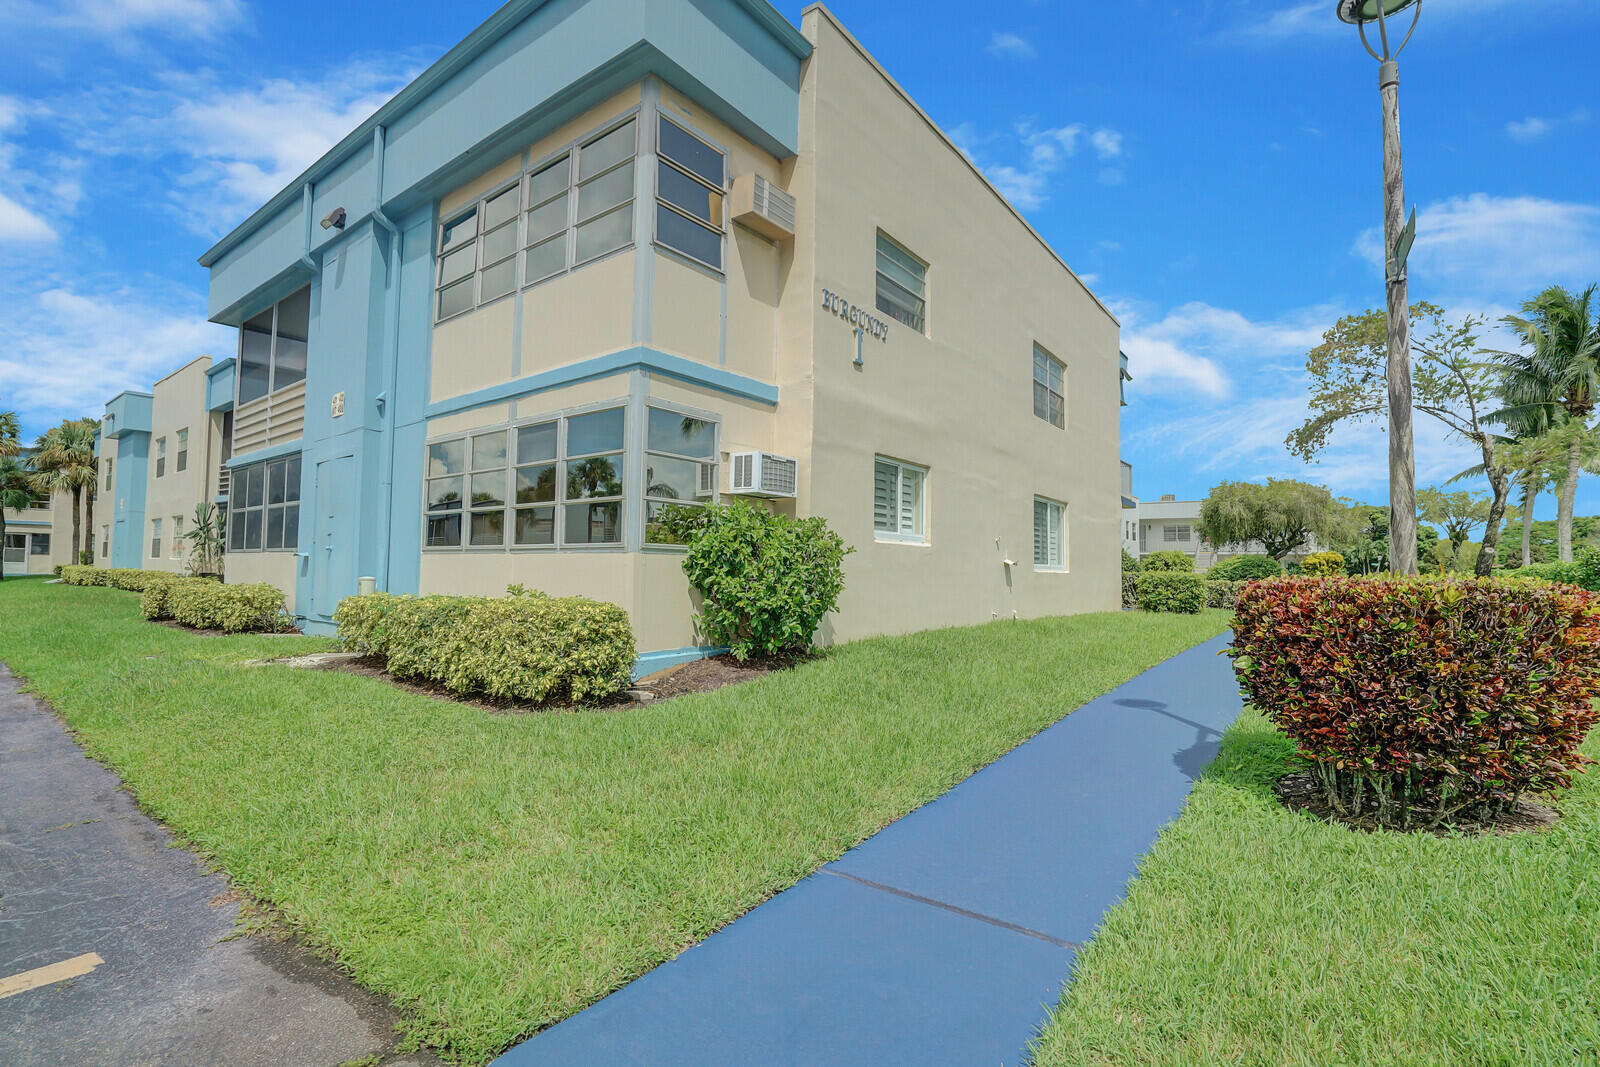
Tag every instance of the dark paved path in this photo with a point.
(946, 937)
(83, 871)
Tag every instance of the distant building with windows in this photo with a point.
(606, 257)
(37, 538)
(1170, 524)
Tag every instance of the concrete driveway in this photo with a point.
(114, 943)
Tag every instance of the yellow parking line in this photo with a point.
(55, 972)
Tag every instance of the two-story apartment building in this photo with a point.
(610, 255)
(1173, 525)
(37, 538)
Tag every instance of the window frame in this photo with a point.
(14, 548)
(240, 510)
(1056, 516)
(898, 535)
(161, 456)
(879, 277)
(35, 540)
(155, 537)
(272, 350)
(175, 546)
(715, 462)
(108, 462)
(183, 450)
(683, 170)
(1052, 366)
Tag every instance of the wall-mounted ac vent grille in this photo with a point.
(708, 481)
(763, 207)
(774, 205)
(763, 474)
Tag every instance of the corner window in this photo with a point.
(899, 502)
(680, 465)
(1049, 388)
(264, 506)
(272, 347)
(1049, 535)
(902, 284)
(690, 179)
(155, 538)
(183, 450)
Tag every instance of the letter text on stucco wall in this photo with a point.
(855, 315)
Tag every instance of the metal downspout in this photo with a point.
(391, 367)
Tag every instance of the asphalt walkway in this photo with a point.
(946, 937)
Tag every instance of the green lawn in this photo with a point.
(495, 873)
(1255, 936)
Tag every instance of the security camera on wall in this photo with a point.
(335, 219)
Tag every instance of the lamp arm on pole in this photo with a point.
(1416, 13)
(1361, 28)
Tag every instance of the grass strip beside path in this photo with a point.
(496, 873)
(1254, 936)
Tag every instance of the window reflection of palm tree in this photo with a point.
(593, 477)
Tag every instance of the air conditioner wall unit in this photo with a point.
(763, 207)
(762, 474)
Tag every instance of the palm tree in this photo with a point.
(66, 463)
(1554, 381)
(16, 491)
(10, 434)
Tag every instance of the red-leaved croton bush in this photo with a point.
(1418, 700)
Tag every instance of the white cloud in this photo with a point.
(1535, 127)
(1107, 143)
(18, 224)
(1044, 154)
(1011, 46)
(1495, 247)
(1159, 363)
(1189, 347)
(115, 19)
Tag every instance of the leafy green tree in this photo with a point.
(10, 434)
(65, 462)
(1365, 544)
(1348, 382)
(16, 492)
(1553, 382)
(1458, 512)
(1283, 515)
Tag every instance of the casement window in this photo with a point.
(264, 506)
(565, 212)
(899, 501)
(16, 548)
(690, 180)
(155, 538)
(272, 347)
(561, 481)
(1172, 534)
(680, 465)
(902, 284)
(183, 450)
(1049, 535)
(176, 551)
(1049, 388)
(39, 545)
(161, 456)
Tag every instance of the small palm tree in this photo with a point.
(66, 462)
(10, 434)
(16, 492)
(1554, 381)
(205, 539)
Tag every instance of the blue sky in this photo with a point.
(1210, 168)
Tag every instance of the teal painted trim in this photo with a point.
(637, 358)
(220, 386)
(288, 448)
(651, 662)
(26, 522)
(130, 412)
(451, 63)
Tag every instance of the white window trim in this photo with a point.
(926, 297)
(894, 537)
(645, 450)
(1060, 519)
(273, 388)
(239, 508)
(1053, 360)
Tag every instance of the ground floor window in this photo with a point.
(899, 503)
(105, 542)
(680, 467)
(155, 538)
(16, 548)
(1049, 535)
(264, 506)
(40, 545)
(1173, 534)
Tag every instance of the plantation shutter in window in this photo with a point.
(910, 501)
(1041, 534)
(884, 492)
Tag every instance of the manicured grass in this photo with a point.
(1256, 936)
(495, 873)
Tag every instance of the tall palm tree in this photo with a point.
(1554, 381)
(10, 434)
(16, 492)
(66, 463)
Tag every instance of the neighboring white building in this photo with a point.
(1170, 524)
(1130, 508)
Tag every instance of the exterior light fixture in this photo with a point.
(1397, 237)
(335, 219)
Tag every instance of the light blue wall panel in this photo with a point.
(219, 386)
(128, 480)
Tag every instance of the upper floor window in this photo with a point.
(264, 506)
(690, 179)
(567, 211)
(272, 347)
(183, 450)
(108, 473)
(161, 457)
(902, 284)
(1049, 535)
(899, 505)
(1049, 388)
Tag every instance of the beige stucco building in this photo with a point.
(702, 255)
(38, 539)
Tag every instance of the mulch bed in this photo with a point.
(699, 676)
(1302, 792)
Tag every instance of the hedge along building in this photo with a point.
(607, 255)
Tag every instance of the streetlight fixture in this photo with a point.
(1397, 237)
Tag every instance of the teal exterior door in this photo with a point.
(333, 549)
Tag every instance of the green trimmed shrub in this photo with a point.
(765, 580)
(1130, 590)
(56, 570)
(526, 646)
(1322, 565)
(1129, 564)
(1222, 593)
(207, 605)
(1167, 561)
(1565, 573)
(1171, 591)
(153, 601)
(1245, 569)
(1419, 699)
(130, 579)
